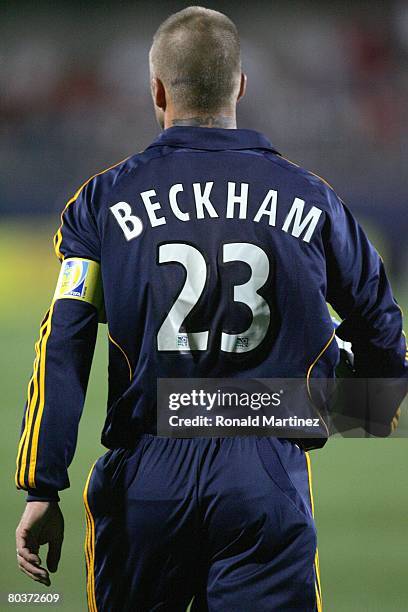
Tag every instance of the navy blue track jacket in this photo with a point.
(217, 258)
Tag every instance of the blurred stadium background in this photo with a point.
(328, 83)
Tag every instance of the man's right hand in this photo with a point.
(41, 523)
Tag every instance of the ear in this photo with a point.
(158, 93)
(242, 86)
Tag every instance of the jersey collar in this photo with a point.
(212, 139)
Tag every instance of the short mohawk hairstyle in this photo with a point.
(196, 54)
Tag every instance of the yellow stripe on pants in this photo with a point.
(90, 549)
(316, 561)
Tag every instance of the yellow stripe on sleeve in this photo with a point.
(37, 422)
(58, 235)
(33, 394)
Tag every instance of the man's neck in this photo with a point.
(215, 120)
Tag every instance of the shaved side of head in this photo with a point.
(196, 55)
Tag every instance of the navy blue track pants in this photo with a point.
(224, 523)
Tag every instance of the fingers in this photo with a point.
(30, 575)
(54, 554)
(27, 558)
(34, 572)
(29, 553)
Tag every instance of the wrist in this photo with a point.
(44, 494)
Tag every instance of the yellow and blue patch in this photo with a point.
(73, 278)
(80, 279)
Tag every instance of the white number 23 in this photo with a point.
(170, 338)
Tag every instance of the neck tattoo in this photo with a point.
(221, 121)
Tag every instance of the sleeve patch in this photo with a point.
(80, 279)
